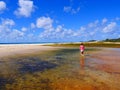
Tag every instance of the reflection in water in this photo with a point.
(82, 64)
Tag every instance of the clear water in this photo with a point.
(63, 69)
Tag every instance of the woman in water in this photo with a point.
(82, 48)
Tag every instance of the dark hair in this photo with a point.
(81, 44)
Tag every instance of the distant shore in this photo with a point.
(89, 44)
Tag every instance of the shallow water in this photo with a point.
(63, 69)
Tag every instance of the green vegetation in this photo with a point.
(90, 44)
(112, 40)
(103, 44)
(112, 43)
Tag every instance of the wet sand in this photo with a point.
(107, 60)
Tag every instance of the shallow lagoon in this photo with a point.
(63, 69)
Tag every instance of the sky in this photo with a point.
(59, 20)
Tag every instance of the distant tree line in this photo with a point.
(112, 40)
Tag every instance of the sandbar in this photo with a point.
(8, 50)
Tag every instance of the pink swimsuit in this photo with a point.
(82, 47)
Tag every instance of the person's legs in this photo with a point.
(82, 52)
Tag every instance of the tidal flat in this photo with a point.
(62, 69)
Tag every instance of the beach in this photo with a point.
(8, 50)
(39, 67)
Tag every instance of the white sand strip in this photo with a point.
(7, 50)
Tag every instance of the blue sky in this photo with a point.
(59, 20)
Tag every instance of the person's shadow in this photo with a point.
(82, 65)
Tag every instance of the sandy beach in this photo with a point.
(7, 50)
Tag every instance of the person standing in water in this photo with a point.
(82, 48)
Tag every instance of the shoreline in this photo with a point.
(26, 44)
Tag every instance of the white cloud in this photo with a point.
(26, 7)
(93, 24)
(98, 31)
(69, 9)
(104, 21)
(110, 27)
(2, 6)
(59, 29)
(92, 31)
(5, 26)
(45, 23)
(9, 22)
(7, 31)
(58, 33)
(15, 34)
(117, 19)
(82, 28)
(72, 7)
(32, 25)
(24, 29)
